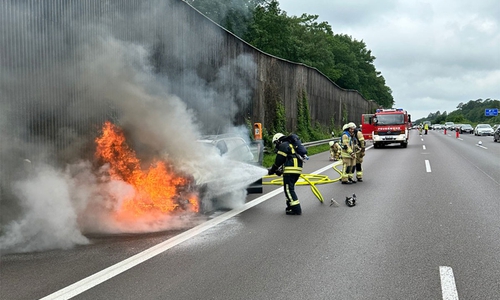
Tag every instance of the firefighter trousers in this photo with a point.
(348, 164)
(289, 181)
(358, 168)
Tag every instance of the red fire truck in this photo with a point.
(387, 126)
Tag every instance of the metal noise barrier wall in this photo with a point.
(67, 66)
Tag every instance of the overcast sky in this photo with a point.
(432, 54)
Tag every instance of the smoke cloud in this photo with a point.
(62, 76)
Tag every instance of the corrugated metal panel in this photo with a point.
(66, 66)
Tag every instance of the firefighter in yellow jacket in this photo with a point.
(360, 151)
(348, 153)
(334, 150)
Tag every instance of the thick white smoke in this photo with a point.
(56, 207)
(49, 219)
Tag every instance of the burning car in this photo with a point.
(240, 168)
(227, 165)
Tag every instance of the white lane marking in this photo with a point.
(423, 147)
(427, 166)
(481, 146)
(110, 272)
(448, 287)
(461, 139)
(422, 139)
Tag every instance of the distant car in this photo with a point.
(449, 125)
(466, 128)
(483, 129)
(496, 135)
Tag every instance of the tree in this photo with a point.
(234, 15)
(344, 60)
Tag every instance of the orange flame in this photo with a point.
(158, 190)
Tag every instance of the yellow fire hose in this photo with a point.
(311, 179)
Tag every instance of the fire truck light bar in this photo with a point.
(389, 109)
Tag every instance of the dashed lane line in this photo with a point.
(428, 166)
(448, 286)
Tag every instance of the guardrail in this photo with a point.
(320, 142)
(311, 144)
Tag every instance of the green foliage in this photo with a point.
(456, 117)
(271, 30)
(303, 39)
(235, 16)
(280, 120)
(471, 112)
(279, 125)
(304, 129)
(344, 113)
(268, 159)
(343, 59)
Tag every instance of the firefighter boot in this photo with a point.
(293, 209)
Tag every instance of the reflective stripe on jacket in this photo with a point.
(286, 156)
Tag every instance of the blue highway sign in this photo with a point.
(491, 112)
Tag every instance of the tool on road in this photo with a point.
(334, 203)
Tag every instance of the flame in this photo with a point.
(158, 190)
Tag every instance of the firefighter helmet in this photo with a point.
(330, 143)
(346, 126)
(351, 201)
(277, 136)
(352, 125)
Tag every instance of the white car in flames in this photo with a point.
(235, 167)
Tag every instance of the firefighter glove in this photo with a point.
(272, 170)
(279, 172)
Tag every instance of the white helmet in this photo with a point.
(479, 143)
(346, 126)
(330, 143)
(277, 136)
(352, 125)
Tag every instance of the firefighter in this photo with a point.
(360, 151)
(334, 150)
(290, 165)
(426, 128)
(348, 154)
